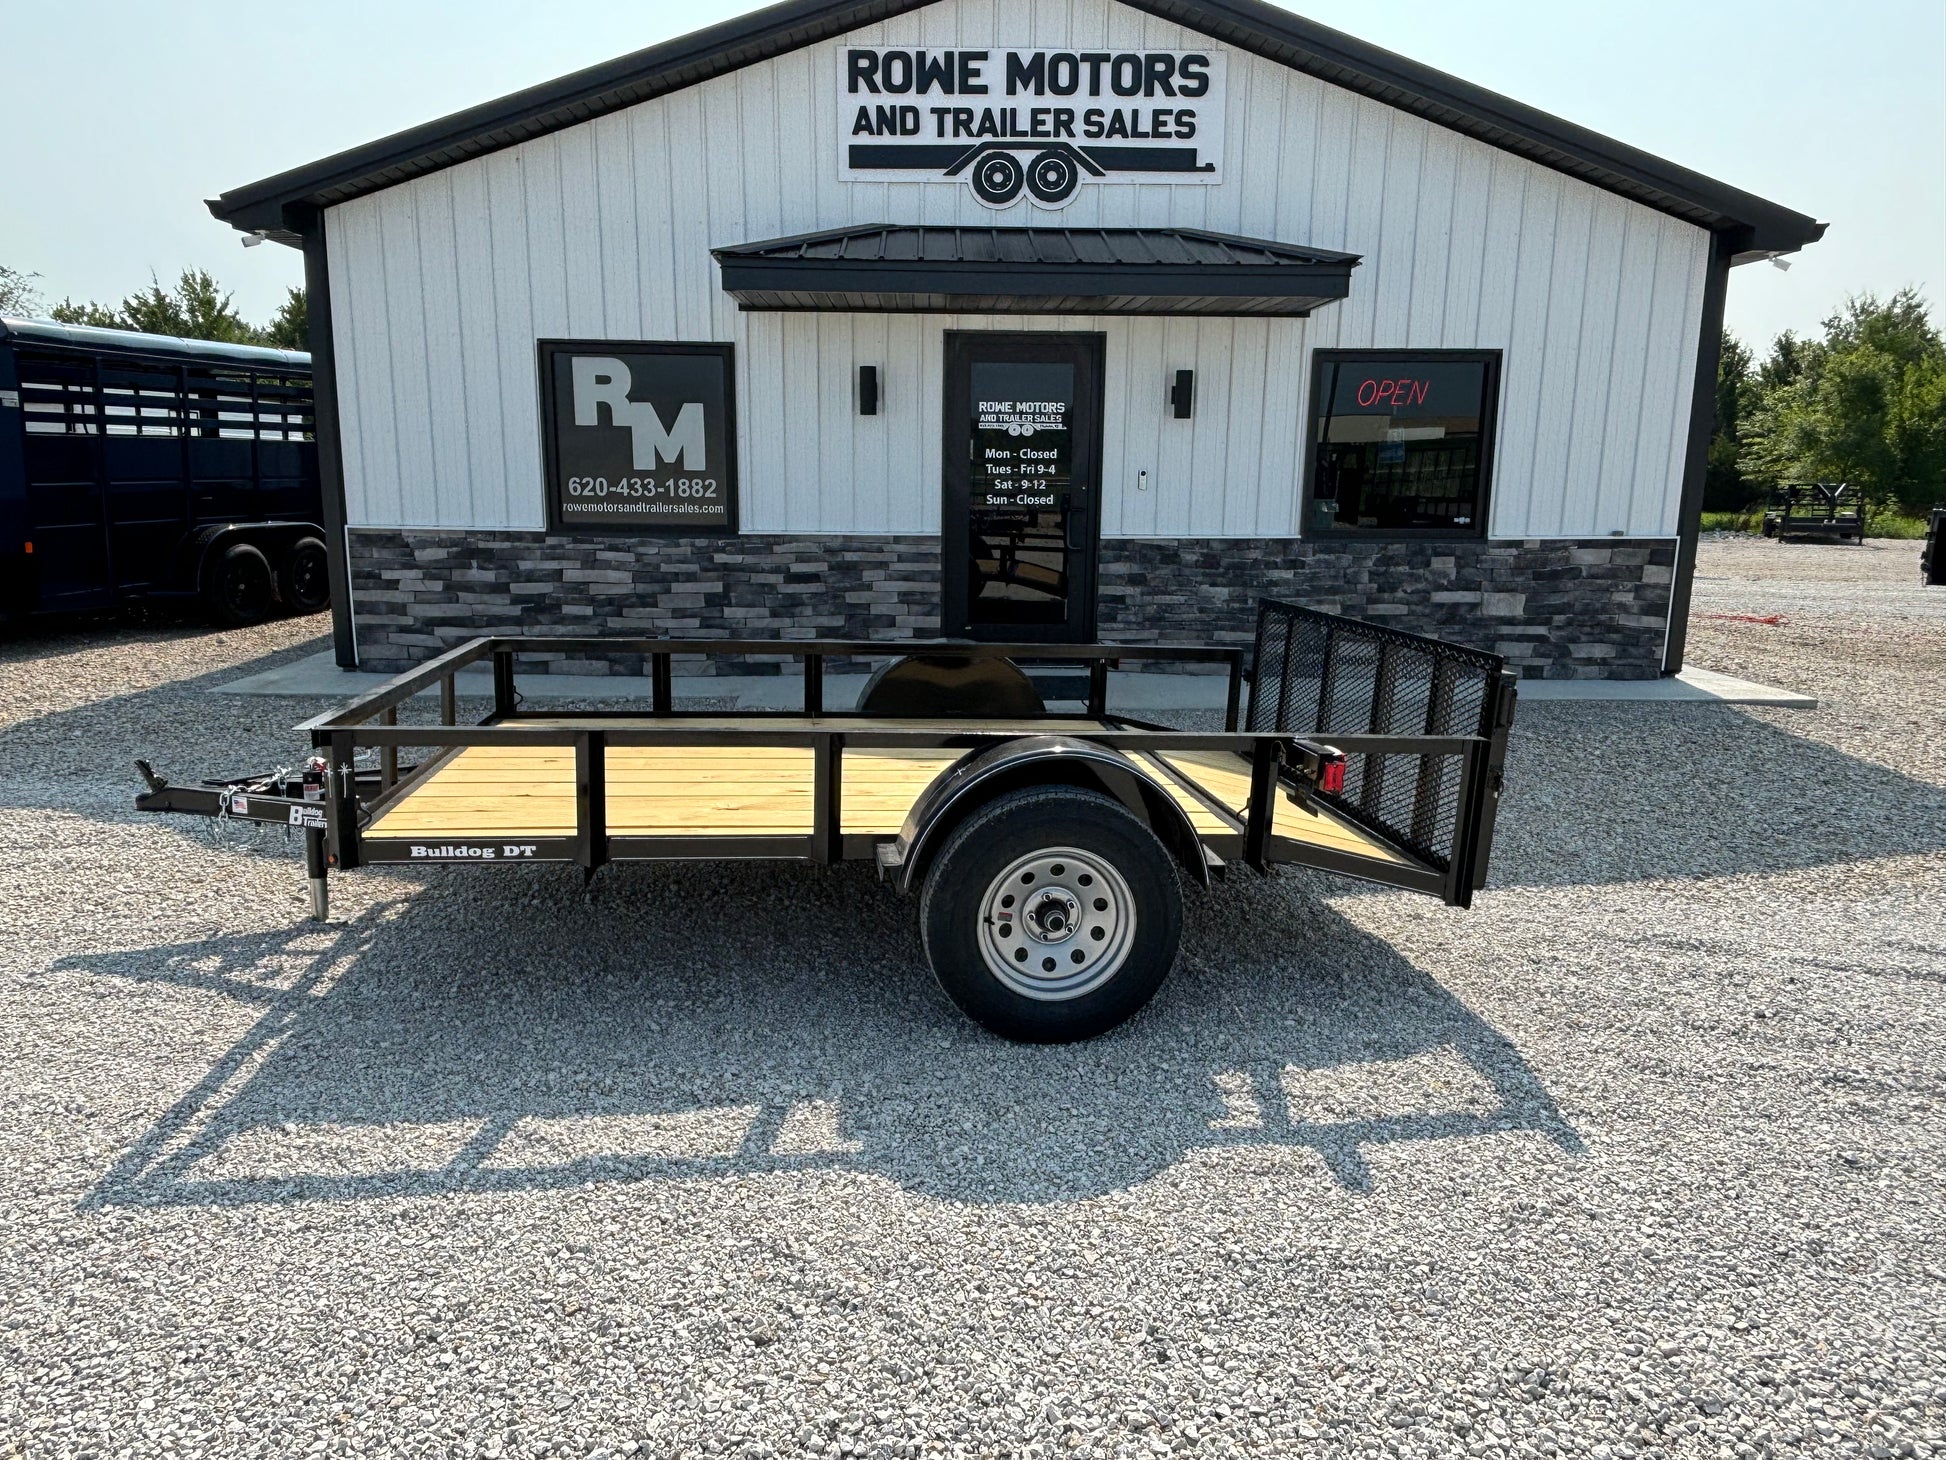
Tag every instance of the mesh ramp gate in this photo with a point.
(1320, 675)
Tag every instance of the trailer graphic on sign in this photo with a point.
(1033, 122)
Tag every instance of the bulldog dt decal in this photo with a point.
(1031, 122)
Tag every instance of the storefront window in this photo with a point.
(1400, 443)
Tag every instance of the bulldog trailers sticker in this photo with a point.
(1034, 123)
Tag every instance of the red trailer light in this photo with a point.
(1331, 774)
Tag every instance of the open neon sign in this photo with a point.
(1394, 393)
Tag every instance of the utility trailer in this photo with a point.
(1047, 847)
(1816, 509)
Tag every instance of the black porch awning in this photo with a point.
(912, 268)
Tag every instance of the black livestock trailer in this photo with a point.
(138, 466)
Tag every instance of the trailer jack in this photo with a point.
(293, 799)
(315, 870)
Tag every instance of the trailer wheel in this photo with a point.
(1052, 914)
(238, 587)
(304, 580)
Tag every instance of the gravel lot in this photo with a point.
(1644, 1155)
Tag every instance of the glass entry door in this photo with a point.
(1022, 516)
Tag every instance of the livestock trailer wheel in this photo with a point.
(1052, 914)
(304, 579)
(238, 587)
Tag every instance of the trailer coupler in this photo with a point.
(293, 799)
(282, 798)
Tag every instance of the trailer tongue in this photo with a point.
(1048, 847)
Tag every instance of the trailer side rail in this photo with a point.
(815, 653)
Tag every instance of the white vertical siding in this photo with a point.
(442, 286)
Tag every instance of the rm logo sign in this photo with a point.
(639, 437)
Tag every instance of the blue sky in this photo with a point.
(119, 117)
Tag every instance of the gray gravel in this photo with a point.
(1641, 1156)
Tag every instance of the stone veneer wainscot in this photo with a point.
(1559, 609)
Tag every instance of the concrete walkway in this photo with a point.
(317, 676)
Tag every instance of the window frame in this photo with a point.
(1489, 441)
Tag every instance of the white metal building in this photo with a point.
(1301, 317)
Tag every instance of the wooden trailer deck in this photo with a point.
(731, 790)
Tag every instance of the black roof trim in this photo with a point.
(275, 205)
(917, 268)
(271, 206)
(1331, 55)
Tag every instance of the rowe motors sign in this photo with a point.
(1037, 123)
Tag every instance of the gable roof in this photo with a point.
(276, 205)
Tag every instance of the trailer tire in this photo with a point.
(304, 577)
(238, 588)
(1091, 947)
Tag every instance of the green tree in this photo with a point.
(99, 315)
(1724, 486)
(290, 327)
(1785, 363)
(196, 309)
(17, 293)
(1866, 405)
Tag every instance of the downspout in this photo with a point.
(1702, 427)
(309, 223)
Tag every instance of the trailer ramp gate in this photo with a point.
(1320, 675)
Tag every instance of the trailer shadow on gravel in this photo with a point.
(655, 1033)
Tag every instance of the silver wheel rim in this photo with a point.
(1057, 924)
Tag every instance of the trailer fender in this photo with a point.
(207, 544)
(1040, 760)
